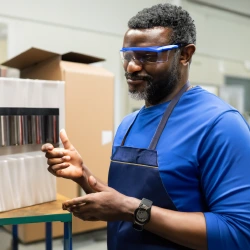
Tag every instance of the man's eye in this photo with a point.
(127, 56)
(152, 57)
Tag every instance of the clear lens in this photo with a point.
(144, 56)
(148, 57)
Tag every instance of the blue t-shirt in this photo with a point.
(204, 162)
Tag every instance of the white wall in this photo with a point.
(109, 16)
(220, 33)
(96, 28)
(242, 6)
(93, 27)
(222, 44)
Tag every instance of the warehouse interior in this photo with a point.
(221, 65)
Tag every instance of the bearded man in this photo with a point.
(179, 175)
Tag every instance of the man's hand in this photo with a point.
(106, 204)
(64, 162)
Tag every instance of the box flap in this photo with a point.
(83, 68)
(80, 58)
(28, 58)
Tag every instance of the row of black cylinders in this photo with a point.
(19, 127)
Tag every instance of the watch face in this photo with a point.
(142, 215)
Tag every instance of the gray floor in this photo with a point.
(96, 240)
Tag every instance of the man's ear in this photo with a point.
(186, 54)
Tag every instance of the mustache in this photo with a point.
(136, 76)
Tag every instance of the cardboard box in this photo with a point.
(88, 118)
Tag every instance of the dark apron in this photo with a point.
(134, 172)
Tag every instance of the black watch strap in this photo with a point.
(146, 202)
(145, 209)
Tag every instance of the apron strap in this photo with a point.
(166, 115)
(125, 136)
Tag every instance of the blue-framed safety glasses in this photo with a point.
(155, 54)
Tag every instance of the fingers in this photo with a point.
(55, 158)
(74, 202)
(58, 153)
(57, 169)
(53, 161)
(92, 181)
(72, 205)
(65, 140)
(47, 147)
(77, 209)
(55, 153)
(80, 209)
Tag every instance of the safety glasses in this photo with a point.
(147, 55)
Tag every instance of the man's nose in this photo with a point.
(133, 66)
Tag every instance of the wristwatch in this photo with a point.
(142, 214)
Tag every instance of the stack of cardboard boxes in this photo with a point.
(88, 119)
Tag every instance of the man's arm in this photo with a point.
(225, 182)
(187, 229)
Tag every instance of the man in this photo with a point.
(179, 176)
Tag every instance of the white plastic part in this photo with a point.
(24, 178)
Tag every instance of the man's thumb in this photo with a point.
(65, 140)
(95, 185)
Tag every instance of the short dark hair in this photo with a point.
(167, 15)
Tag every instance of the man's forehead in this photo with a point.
(159, 35)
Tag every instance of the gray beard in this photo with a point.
(138, 95)
(149, 91)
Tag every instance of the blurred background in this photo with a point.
(221, 63)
